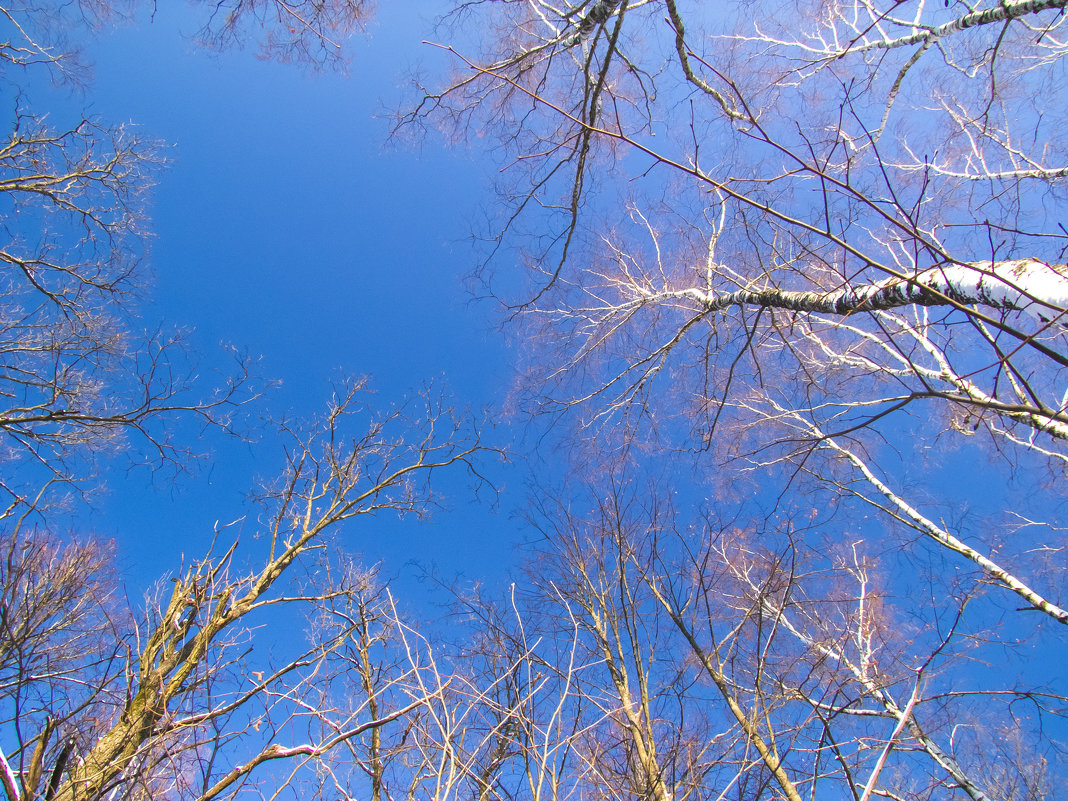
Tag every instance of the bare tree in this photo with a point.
(307, 32)
(176, 705)
(639, 741)
(727, 249)
(103, 698)
(651, 650)
(743, 662)
(78, 377)
(812, 282)
(816, 254)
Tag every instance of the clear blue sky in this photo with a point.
(287, 225)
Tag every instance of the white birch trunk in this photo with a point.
(1025, 285)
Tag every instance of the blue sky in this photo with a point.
(285, 224)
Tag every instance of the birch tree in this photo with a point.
(734, 659)
(814, 253)
(834, 228)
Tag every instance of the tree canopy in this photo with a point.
(788, 301)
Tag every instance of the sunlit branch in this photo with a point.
(863, 674)
(906, 513)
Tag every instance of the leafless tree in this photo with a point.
(104, 698)
(815, 253)
(176, 704)
(826, 235)
(77, 376)
(720, 660)
(307, 32)
(650, 650)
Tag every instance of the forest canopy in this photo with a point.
(785, 427)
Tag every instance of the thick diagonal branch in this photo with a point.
(1029, 285)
